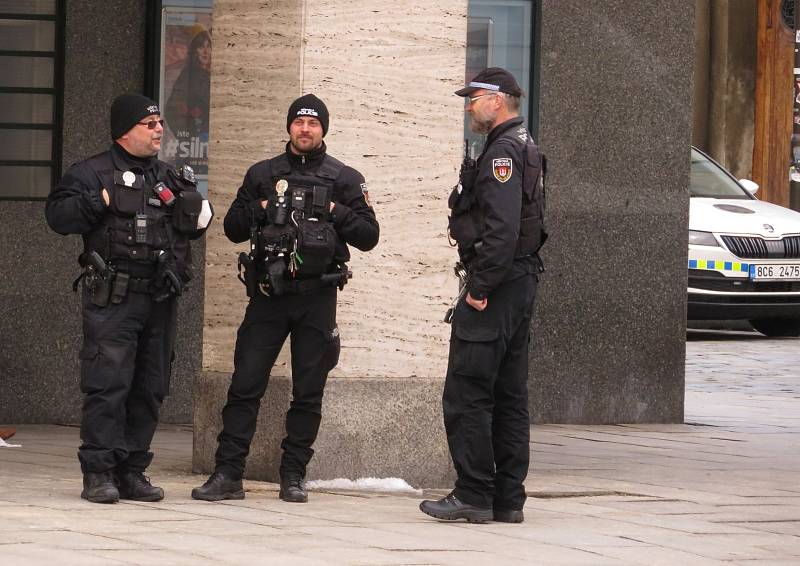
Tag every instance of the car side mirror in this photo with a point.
(751, 186)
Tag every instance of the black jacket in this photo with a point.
(353, 217)
(506, 214)
(75, 206)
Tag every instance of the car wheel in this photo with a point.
(777, 326)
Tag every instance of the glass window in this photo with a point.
(708, 180)
(25, 108)
(25, 182)
(36, 72)
(30, 145)
(28, 7)
(27, 35)
(29, 156)
(500, 34)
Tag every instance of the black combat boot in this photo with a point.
(293, 489)
(218, 487)
(137, 487)
(508, 515)
(99, 488)
(450, 508)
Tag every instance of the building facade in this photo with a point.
(609, 98)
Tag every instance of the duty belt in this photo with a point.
(140, 285)
(306, 286)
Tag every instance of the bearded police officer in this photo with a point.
(136, 215)
(299, 210)
(497, 220)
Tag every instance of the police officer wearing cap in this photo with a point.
(136, 215)
(300, 210)
(497, 212)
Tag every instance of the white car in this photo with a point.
(744, 254)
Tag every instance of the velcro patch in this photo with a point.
(502, 169)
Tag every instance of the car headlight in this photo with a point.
(702, 238)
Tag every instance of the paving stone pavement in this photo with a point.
(720, 489)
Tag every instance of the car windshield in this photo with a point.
(708, 180)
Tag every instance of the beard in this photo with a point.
(481, 124)
(304, 145)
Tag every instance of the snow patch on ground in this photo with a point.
(364, 484)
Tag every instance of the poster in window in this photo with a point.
(186, 87)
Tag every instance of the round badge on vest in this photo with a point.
(281, 186)
(129, 178)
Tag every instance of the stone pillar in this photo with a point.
(616, 121)
(387, 71)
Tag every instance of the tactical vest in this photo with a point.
(466, 222)
(325, 175)
(298, 226)
(138, 225)
(532, 229)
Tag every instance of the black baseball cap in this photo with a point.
(493, 78)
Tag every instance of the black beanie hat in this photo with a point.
(127, 109)
(309, 105)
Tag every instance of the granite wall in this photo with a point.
(616, 122)
(40, 323)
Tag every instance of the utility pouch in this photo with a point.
(321, 201)
(120, 288)
(467, 178)
(276, 281)
(465, 228)
(186, 211)
(275, 240)
(125, 201)
(316, 246)
(126, 196)
(101, 290)
(277, 210)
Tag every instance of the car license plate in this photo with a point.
(775, 272)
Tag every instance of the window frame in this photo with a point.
(55, 126)
(531, 90)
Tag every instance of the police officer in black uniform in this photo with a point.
(299, 210)
(497, 220)
(136, 215)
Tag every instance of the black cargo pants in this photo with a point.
(125, 369)
(310, 318)
(485, 398)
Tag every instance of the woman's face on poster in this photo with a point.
(203, 53)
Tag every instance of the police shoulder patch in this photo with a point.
(501, 168)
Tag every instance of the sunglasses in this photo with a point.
(472, 99)
(151, 124)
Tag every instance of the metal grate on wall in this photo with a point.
(31, 78)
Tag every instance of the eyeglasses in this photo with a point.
(470, 100)
(151, 124)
